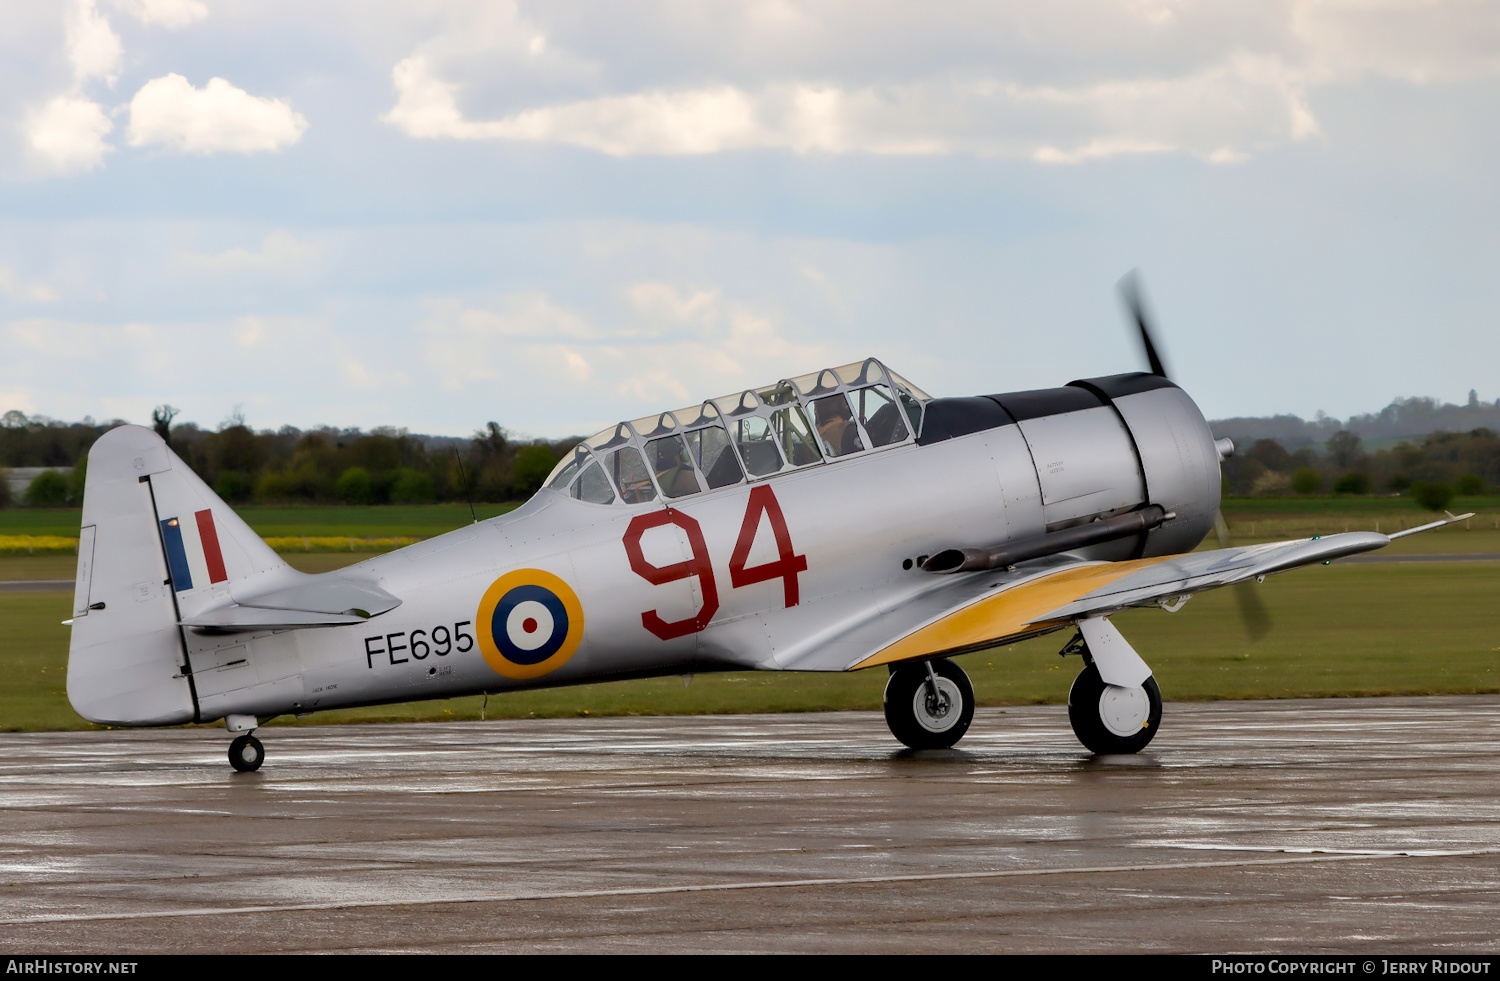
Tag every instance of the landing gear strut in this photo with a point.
(246, 753)
(929, 705)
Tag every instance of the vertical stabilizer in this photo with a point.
(163, 547)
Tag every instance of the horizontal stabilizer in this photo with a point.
(251, 618)
(315, 601)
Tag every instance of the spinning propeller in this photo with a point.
(1253, 612)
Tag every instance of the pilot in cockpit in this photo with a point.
(673, 467)
(836, 426)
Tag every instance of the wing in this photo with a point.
(972, 611)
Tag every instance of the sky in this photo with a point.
(556, 215)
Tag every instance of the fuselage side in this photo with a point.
(563, 591)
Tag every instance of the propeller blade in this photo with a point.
(1253, 612)
(1130, 292)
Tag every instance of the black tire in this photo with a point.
(910, 714)
(1098, 713)
(246, 754)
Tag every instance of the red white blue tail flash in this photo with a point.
(193, 555)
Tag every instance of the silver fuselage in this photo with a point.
(862, 523)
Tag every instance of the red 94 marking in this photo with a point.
(786, 566)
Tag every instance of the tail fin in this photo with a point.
(157, 546)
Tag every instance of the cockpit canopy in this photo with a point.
(796, 423)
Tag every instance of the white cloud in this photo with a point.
(1063, 83)
(941, 115)
(164, 13)
(533, 345)
(1417, 41)
(218, 118)
(279, 251)
(663, 302)
(18, 399)
(527, 315)
(93, 46)
(67, 134)
(15, 288)
(73, 340)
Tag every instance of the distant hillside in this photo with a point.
(1410, 418)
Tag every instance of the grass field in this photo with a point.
(1339, 630)
(416, 521)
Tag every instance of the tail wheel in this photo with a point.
(246, 753)
(1111, 719)
(924, 715)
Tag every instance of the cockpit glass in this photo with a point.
(618, 436)
(914, 390)
(656, 425)
(592, 486)
(697, 415)
(669, 460)
(562, 474)
(794, 423)
(710, 446)
(795, 436)
(861, 373)
(836, 429)
(630, 475)
(778, 394)
(757, 445)
(879, 415)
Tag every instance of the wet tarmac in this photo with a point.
(1339, 825)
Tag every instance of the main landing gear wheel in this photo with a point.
(246, 753)
(929, 711)
(1110, 719)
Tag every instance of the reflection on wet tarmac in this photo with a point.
(1248, 826)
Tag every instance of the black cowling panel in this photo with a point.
(1047, 402)
(946, 418)
(1118, 386)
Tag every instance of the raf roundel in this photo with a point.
(530, 622)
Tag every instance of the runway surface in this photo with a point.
(1276, 826)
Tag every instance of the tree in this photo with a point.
(412, 487)
(355, 487)
(1352, 482)
(1343, 449)
(533, 464)
(48, 490)
(77, 480)
(1306, 480)
(161, 421)
(1471, 485)
(1431, 495)
(1270, 454)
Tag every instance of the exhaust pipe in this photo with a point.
(1066, 540)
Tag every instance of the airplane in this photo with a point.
(834, 521)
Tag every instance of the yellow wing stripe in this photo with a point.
(1007, 613)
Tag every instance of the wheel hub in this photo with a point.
(937, 714)
(1124, 710)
